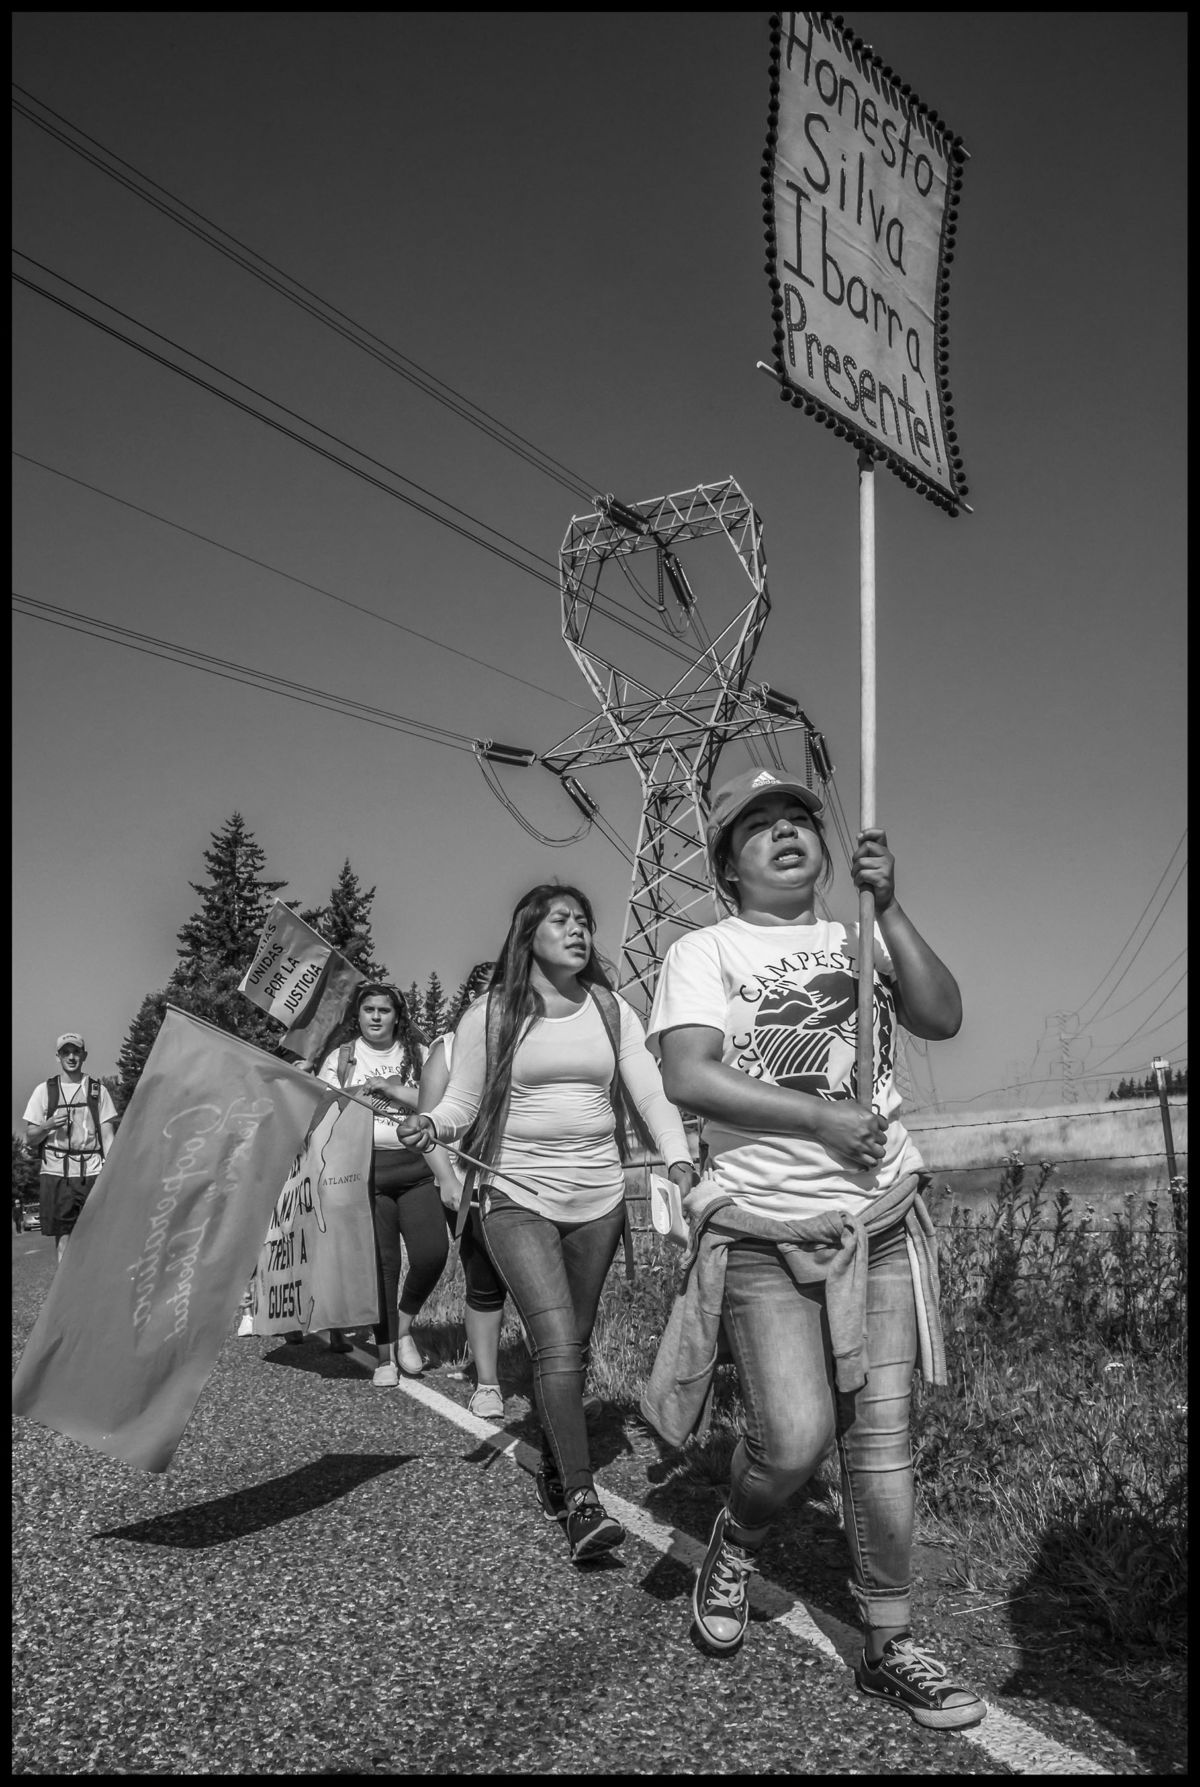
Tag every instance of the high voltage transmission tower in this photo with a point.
(673, 735)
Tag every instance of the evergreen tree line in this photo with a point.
(217, 945)
(1148, 1088)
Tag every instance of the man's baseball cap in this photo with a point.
(70, 1039)
(730, 801)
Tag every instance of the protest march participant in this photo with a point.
(379, 1051)
(537, 1070)
(70, 1121)
(484, 1312)
(808, 1233)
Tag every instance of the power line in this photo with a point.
(1142, 1027)
(614, 610)
(191, 659)
(262, 396)
(91, 626)
(1144, 991)
(292, 289)
(1137, 952)
(1079, 1008)
(302, 582)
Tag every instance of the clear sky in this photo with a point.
(560, 215)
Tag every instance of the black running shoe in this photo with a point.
(550, 1492)
(590, 1530)
(912, 1677)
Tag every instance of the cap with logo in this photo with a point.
(731, 800)
(70, 1039)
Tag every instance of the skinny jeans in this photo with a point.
(778, 1332)
(408, 1209)
(554, 1272)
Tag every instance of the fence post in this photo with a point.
(1159, 1067)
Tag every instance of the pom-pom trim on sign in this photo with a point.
(936, 132)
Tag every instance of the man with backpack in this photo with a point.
(70, 1121)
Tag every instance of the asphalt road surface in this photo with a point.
(333, 1579)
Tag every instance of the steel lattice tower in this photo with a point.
(673, 736)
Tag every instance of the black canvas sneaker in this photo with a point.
(720, 1610)
(916, 1680)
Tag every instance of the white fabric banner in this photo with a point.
(287, 965)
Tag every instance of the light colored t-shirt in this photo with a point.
(784, 998)
(559, 1143)
(82, 1129)
(368, 1062)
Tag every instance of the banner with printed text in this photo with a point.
(317, 1264)
(861, 185)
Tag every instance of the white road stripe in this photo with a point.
(1003, 1737)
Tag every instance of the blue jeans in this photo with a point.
(779, 1336)
(554, 1273)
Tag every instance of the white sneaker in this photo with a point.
(246, 1325)
(386, 1377)
(487, 1403)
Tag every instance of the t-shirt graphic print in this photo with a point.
(785, 999)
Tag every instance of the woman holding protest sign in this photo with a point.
(538, 1070)
(811, 1249)
(379, 1052)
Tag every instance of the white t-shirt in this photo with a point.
(784, 998)
(82, 1130)
(369, 1062)
(558, 1153)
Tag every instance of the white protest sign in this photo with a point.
(317, 1264)
(861, 184)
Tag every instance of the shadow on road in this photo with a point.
(1066, 1657)
(268, 1504)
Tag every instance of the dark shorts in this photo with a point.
(60, 1201)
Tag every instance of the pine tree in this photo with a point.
(233, 905)
(216, 946)
(433, 1010)
(345, 921)
(414, 1002)
(24, 1168)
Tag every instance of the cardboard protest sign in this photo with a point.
(317, 1267)
(861, 184)
(146, 1292)
(300, 979)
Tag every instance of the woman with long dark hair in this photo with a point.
(379, 1051)
(538, 1070)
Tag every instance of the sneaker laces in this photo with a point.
(917, 1666)
(727, 1582)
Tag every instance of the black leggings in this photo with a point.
(485, 1292)
(408, 1210)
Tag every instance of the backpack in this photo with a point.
(91, 1103)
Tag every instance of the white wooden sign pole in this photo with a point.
(865, 1047)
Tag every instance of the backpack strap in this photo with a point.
(345, 1063)
(53, 1100)
(624, 1109)
(471, 1180)
(93, 1101)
